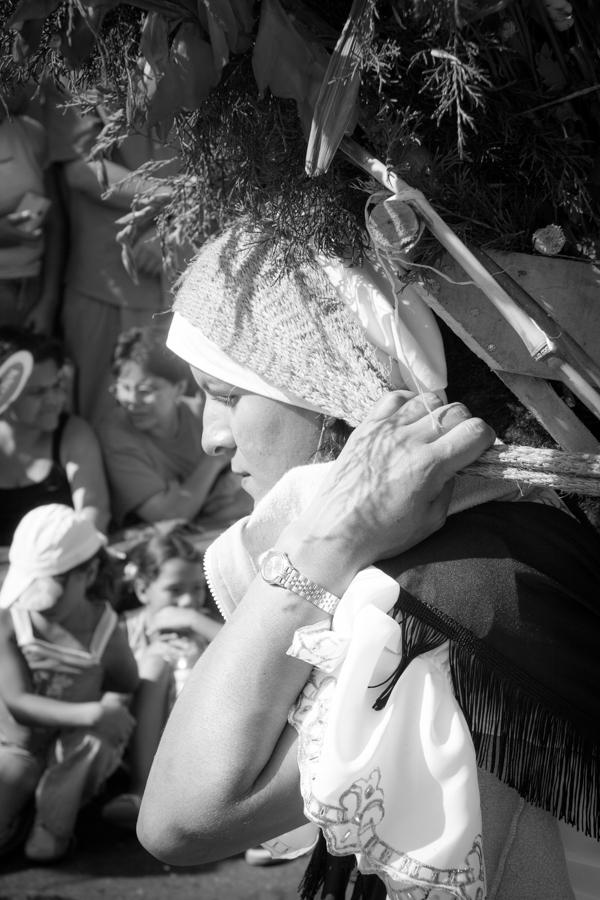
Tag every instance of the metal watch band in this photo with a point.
(293, 581)
(277, 569)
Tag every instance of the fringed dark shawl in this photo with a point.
(515, 587)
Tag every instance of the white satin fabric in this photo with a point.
(397, 786)
(396, 320)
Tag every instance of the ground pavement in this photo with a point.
(109, 864)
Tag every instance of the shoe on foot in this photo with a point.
(43, 845)
(122, 811)
(259, 856)
(15, 835)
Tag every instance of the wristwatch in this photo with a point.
(277, 569)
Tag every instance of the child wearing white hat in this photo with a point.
(66, 673)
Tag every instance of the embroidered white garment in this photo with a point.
(398, 786)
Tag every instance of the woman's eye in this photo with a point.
(227, 399)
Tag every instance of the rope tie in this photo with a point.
(576, 473)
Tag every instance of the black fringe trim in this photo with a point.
(520, 733)
(314, 874)
(332, 875)
(417, 637)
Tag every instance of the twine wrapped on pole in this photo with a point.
(538, 343)
(574, 473)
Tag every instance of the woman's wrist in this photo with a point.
(326, 560)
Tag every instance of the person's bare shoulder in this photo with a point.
(78, 435)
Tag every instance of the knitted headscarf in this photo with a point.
(293, 327)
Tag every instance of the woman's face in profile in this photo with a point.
(43, 399)
(262, 438)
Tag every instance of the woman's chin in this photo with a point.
(142, 422)
(249, 485)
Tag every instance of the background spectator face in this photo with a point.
(149, 399)
(180, 582)
(65, 590)
(43, 398)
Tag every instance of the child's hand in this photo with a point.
(183, 620)
(173, 619)
(115, 722)
(14, 230)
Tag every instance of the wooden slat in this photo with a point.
(568, 291)
(557, 418)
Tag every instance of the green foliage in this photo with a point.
(489, 106)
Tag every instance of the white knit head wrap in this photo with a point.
(294, 335)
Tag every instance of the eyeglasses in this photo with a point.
(146, 390)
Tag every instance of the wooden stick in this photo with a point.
(539, 345)
(537, 342)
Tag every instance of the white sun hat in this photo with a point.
(49, 540)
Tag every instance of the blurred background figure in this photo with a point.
(152, 441)
(168, 630)
(47, 455)
(31, 225)
(106, 290)
(66, 676)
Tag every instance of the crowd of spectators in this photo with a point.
(100, 431)
(109, 420)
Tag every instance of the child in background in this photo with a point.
(167, 633)
(66, 675)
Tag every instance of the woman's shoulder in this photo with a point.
(486, 563)
(115, 430)
(536, 534)
(76, 430)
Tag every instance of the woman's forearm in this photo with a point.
(227, 752)
(183, 500)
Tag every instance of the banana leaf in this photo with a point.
(336, 108)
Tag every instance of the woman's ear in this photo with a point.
(140, 590)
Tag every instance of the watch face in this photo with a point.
(273, 566)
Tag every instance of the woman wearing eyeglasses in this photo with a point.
(46, 454)
(152, 440)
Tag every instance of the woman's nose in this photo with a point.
(187, 600)
(216, 433)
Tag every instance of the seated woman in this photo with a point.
(152, 440)
(46, 454)
(409, 661)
